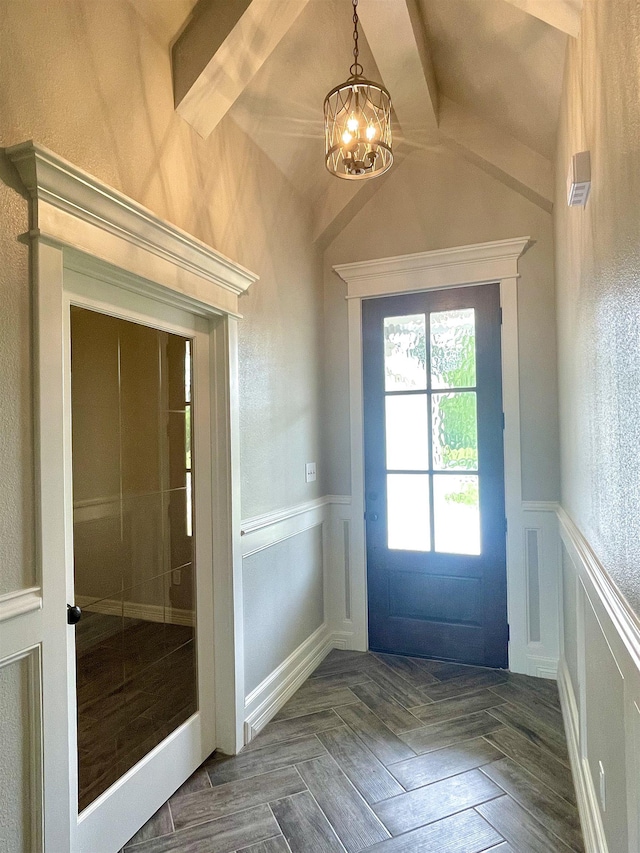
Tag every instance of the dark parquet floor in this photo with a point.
(390, 755)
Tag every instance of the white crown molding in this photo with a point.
(452, 267)
(69, 205)
(617, 607)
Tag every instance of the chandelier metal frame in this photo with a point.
(357, 123)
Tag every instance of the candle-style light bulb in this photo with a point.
(346, 137)
(371, 132)
(352, 123)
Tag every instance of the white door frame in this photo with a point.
(482, 263)
(152, 779)
(77, 221)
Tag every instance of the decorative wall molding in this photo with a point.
(134, 265)
(541, 587)
(332, 513)
(20, 602)
(31, 718)
(540, 506)
(590, 821)
(455, 267)
(263, 531)
(599, 681)
(259, 522)
(625, 620)
(72, 208)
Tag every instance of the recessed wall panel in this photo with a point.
(604, 702)
(20, 802)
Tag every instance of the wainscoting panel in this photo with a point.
(542, 589)
(296, 600)
(599, 681)
(283, 601)
(20, 736)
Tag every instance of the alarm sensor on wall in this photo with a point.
(579, 179)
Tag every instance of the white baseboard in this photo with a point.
(135, 610)
(542, 667)
(263, 703)
(590, 820)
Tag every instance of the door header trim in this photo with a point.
(480, 263)
(71, 208)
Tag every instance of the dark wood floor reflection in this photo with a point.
(389, 754)
(135, 684)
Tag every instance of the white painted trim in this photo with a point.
(624, 619)
(542, 653)
(540, 506)
(516, 570)
(20, 602)
(33, 716)
(542, 667)
(590, 820)
(72, 206)
(80, 225)
(358, 548)
(263, 531)
(331, 513)
(458, 266)
(259, 522)
(136, 610)
(276, 689)
(227, 547)
(455, 267)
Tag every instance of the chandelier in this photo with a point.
(357, 123)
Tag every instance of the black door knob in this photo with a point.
(73, 614)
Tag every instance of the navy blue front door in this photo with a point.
(434, 475)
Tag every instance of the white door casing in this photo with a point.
(114, 814)
(483, 263)
(131, 263)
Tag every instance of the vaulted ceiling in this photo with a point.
(479, 77)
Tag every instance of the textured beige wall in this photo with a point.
(435, 200)
(598, 278)
(92, 81)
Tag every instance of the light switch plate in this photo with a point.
(310, 472)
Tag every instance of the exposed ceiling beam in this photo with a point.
(222, 46)
(396, 35)
(562, 14)
(497, 153)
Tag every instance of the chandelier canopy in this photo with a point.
(357, 123)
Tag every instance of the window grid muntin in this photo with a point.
(428, 393)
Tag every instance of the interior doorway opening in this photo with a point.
(133, 542)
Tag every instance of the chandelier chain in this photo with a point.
(356, 69)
